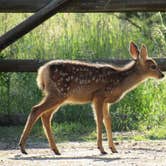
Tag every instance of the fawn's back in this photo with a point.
(78, 81)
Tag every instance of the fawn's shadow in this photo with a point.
(59, 158)
(146, 149)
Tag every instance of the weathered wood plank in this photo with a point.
(85, 5)
(33, 65)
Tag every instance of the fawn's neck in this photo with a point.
(131, 78)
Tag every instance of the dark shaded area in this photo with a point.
(12, 119)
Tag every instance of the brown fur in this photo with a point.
(78, 82)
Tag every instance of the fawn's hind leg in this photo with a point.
(48, 103)
(46, 120)
(107, 123)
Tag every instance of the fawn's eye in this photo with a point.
(153, 67)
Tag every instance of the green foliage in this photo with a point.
(87, 36)
(144, 108)
(73, 131)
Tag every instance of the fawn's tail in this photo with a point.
(42, 77)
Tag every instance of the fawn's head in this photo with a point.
(145, 65)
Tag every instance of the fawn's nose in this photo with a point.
(161, 75)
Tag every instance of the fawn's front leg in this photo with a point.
(98, 110)
(107, 124)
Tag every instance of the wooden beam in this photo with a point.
(85, 5)
(30, 23)
(33, 65)
(20, 65)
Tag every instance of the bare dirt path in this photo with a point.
(131, 153)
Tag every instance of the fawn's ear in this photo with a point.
(134, 50)
(144, 52)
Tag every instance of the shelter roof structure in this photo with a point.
(44, 9)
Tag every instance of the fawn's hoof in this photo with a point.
(56, 152)
(113, 150)
(103, 152)
(23, 151)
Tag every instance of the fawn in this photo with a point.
(77, 82)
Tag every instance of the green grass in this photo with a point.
(157, 133)
(65, 132)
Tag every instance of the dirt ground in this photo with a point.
(144, 153)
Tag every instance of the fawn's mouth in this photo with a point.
(161, 76)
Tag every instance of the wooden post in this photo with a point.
(30, 23)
